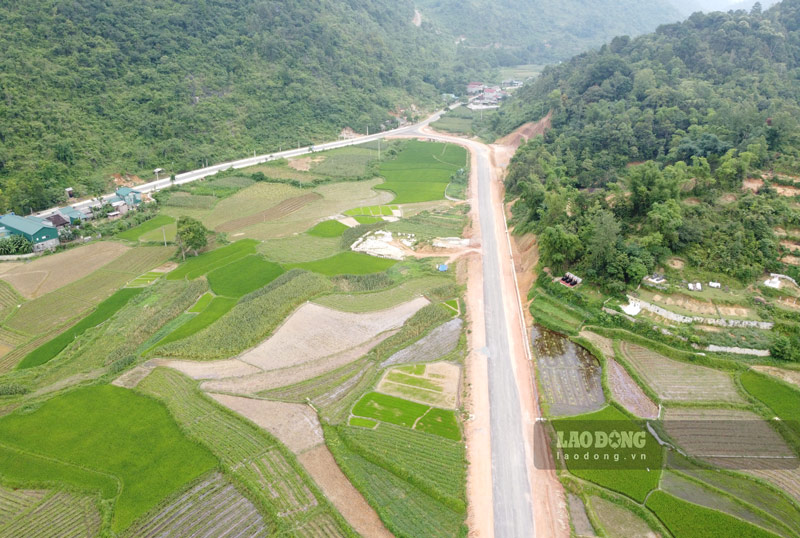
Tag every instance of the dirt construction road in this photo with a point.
(525, 502)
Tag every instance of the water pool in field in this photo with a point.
(569, 376)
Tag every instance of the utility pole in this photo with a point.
(164, 231)
(379, 149)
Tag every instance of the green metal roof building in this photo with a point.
(42, 236)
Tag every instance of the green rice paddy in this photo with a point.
(346, 263)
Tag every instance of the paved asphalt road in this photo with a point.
(513, 512)
(511, 491)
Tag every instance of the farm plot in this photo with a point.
(379, 300)
(270, 473)
(245, 203)
(428, 225)
(405, 509)
(47, 312)
(433, 384)
(346, 263)
(212, 507)
(9, 299)
(218, 307)
(253, 318)
(570, 376)
(578, 518)
(112, 430)
(208, 261)
(749, 490)
(55, 513)
(47, 273)
(679, 381)
(300, 248)
(618, 521)
(294, 425)
(328, 228)
(351, 161)
(103, 312)
(373, 211)
(190, 201)
(633, 477)
(784, 374)
(714, 435)
(276, 212)
(686, 519)
(243, 276)
(144, 280)
(439, 342)
(334, 484)
(695, 493)
(152, 225)
(628, 393)
(335, 198)
(410, 414)
(314, 332)
(422, 170)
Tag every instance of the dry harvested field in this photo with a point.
(48, 273)
(214, 507)
(702, 308)
(314, 332)
(295, 425)
(580, 521)
(618, 521)
(263, 381)
(570, 376)
(437, 343)
(276, 212)
(790, 376)
(50, 513)
(209, 370)
(628, 393)
(730, 438)
(335, 198)
(432, 384)
(679, 381)
(337, 488)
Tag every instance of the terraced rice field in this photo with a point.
(433, 384)
(253, 456)
(570, 376)
(422, 170)
(145, 279)
(679, 381)
(313, 332)
(373, 211)
(379, 300)
(398, 411)
(618, 521)
(40, 514)
(328, 228)
(45, 313)
(46, 274)
(208, 261)
(439, 342)
(347, 263)
(688, 490)
(9, 299)
(213, 507)
(300, 248)
(153, 225)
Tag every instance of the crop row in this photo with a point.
(13, 502)
(410, 414)
(268, 471)
(209, 508)
(252, 319)
(59, 514)
(435, 465)
(404, 509)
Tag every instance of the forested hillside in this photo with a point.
(510, 32)
(651, 141)
(100, 86)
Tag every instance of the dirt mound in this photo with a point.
(791, 245)
(752, 184)
(525, 132)
(791, 260)
(304, 164)
(784, 190)
(693, 201)
(727, 198)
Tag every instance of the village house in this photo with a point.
(43, 236)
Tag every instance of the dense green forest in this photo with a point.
(509, 32)
(651, 140)
(109, 86)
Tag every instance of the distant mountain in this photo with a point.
(535, 31)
